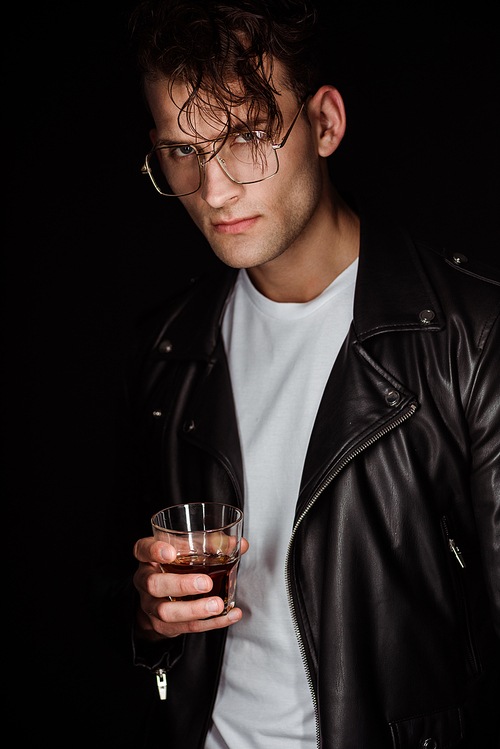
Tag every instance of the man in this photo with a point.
(339, 383)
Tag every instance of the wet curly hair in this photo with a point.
(225, 53)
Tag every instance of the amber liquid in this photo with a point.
(222, 570)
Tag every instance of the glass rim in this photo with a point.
(193, 504)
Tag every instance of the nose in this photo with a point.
(217, 189)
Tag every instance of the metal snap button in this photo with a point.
(426, 316)
(458, 258)
(392, 398)
(189, 426)
(430, 744)
(157, 414)
(165, 347)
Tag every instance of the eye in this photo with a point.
(243, 138)
(182, 151)
(175, 153)
(249, 137)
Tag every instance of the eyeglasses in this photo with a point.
(245, 157)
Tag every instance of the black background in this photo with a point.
(90, 246)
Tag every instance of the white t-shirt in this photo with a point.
(280, 356)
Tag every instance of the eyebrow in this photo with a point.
(169, 142)
(186, 142)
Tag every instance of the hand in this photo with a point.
(158, 617)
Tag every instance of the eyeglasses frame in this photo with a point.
(201, 164)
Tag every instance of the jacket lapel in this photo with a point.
(361, 398)
(360, 401)
(194, 334)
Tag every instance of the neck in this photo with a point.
(325, 248)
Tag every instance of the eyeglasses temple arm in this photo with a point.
(280, 145)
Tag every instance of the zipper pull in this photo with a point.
(455, 550)
(161, 681)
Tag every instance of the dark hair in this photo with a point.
(225, 52)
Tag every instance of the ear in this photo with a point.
(326, 114)
(153, 135)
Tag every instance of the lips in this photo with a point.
(235, 226)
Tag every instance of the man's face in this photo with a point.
(247, 225)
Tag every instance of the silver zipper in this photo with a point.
(458, 554)
(452, 545)
(312, 501)
(462, 598)
(161, 681)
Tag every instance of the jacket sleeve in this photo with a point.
(483, 414)
(113, 598)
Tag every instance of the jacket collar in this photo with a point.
(393, 293)
(392, 288)
(192, 331)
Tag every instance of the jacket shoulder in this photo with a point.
(470, 265)
(187, 324)
(468, 289)
(463, 277)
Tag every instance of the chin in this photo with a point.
(249, 253)
(240, 257)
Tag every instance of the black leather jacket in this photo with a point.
(392, 576)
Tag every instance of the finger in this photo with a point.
(150, 550)
(187, 611)
(167, 585)
(220, 543)
(173, 629)
(179, 611)
(158, 612)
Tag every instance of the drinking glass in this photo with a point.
(207, 539)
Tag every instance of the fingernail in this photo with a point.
(233, 615)
(165, 554)
(202, 584)
(213, 605)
